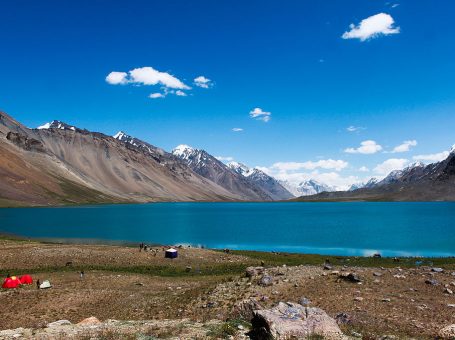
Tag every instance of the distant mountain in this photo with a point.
(59, 163)
(56, 124)
(260, 179)
(417, 182)
(306, 188)
(371, 183)
(206, 165)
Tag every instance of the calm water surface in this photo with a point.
(360, 228)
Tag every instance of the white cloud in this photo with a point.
(156, 95)
(372, 27)
(366, 147)
(203, 82)
(364, 169)
(389, 165)
(237, 129)
(353, 128)
(435, 157)
(337, 165)
(259, 114)
(225, 159)
(180, 93)
(333, 179)
(117, 78)
(405, 146)
(149, 76)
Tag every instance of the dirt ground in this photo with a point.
(125, 284)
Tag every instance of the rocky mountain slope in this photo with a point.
(216, 171)
(260, 179)
(60, 163)
(417, 182)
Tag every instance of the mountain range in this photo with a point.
(58, 163)
(417, 182)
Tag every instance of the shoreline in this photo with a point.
(422, 260)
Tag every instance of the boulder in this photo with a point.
(437, 270)
(90, 321)
(447, 332)
(59, 323)
(291, 320)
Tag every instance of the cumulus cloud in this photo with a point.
(117, 78)
(364, 169)
(237, 129)
(225, 159)
(332, 178)
(372, 27)
(156, 95)
(432, 158)
(180, 93)
(405, 146)
(391, 164)
(258, 113)
(149, 76)
(337, 165)
(203, 82)
(366, 147)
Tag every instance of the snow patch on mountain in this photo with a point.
(56, 124)
(306, 188)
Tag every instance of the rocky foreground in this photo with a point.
(207, 294)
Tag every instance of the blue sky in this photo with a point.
(390, 77)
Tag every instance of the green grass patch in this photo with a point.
(163, 271)
(291, 259)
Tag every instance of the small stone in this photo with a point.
(377, 274)
(358, 298)
(451, 305)
(343, 318)
(447, 332)
(266, 280)
(59, 323)
(448, 291)
(304, 301)
(437, 270)
(432, 282)
(386, 300)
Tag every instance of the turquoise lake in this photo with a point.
(357, 228)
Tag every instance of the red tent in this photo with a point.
(26, 279)
(11, 282)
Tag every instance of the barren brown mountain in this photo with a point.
(63, 164)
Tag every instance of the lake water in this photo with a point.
(357, 228)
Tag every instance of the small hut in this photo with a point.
(171, 253)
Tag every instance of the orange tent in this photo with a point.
(26, 279)
(11, 282)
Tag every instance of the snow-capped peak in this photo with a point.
(120, 135)
(306, 188)
(56, 124)
(240, 168)
(452, 149)
(182, 149)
